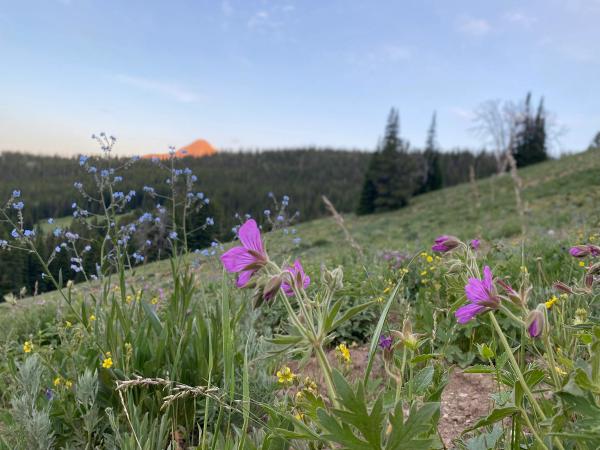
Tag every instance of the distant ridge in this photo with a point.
(197, 149)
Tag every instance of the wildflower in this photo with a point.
(247, 258)
(16, 193)
(154, 301)
(173, 235)
(551, 301)
(385, 342)
(18, 206)
(445, 243)
(28, 347)
(92, 317)
(474, 244)
(581, 264)
(387, 289)
(581, 316)
(285, 375)
(107, 362)
(272, 287)
(128, 298)
(297, 277)
(68, 324)
(581, 251)
(57, 382)
(482, 296)
(68, 384)
(536, 322)
(562, 287)
(429, 259)
(344, 353)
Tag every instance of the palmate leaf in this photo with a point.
(415, 432)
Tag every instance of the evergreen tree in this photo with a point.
(530, 145)
(432, 179)
(595, 144)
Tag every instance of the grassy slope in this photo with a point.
(560, 196)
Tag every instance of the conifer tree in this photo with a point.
(432, 179)
(530, 145)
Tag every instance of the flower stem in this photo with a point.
(326, 369)
(519, 374)
(401, 377)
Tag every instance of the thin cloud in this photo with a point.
(474, 26)
(171, 90)
(520, 18)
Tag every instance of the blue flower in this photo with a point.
(210, 221)
(77, 185)
(118, 179)
(173, 235)
(138, 258)
(57, 231)
(14, 233)
(280, 218)
(87, 248)
(29, 233)
(267, 212)
(3, 243)
(57, 249)
(82, 160)
(73, 205)
(16, 193)
(50, 220)
(297, 240)
(148, 189)
(18, 206)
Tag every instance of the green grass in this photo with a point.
(561, 197)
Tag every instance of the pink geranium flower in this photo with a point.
(247, 258)
(297, 276)
(482, 297)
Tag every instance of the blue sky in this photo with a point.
(283, 73)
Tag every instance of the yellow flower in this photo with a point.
(379, 300)
(310, 385)
(299, 415)
(344, 353)
(154, 300)
(68, 324)
(429, 258)
(581, 264)
(107, 363)
(285, 375)
(92, 317)
(551, 302)
(560, 371)
(57, 381)
(138, 295)
(387, 289)
(404, 270)
(423, 273)
(524, 269)
(28, 346)
(68, 384)
(423, 255)
(128, 299)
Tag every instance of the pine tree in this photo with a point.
(530, 146)
(432, 179)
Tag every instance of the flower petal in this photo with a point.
(244, 278)
(236, 259)
(465, 313)
(250, 236)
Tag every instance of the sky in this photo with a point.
(246, 74)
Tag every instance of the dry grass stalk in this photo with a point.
(340, 221)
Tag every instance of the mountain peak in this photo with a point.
(197, 149)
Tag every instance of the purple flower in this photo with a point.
(385, 342)
(536, 322)
(581, 251)
(482, 296)
(445, 243)
(247, 258)
(475, 244)
(298, 277)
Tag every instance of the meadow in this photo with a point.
(346, 338)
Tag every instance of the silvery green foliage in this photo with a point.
(29, 411)
(85, 393)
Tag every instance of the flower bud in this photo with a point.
(536, 321)
(594, 269)
(579, 251)
(562, 287)
(272, 287)
(333, 279)
(445, 243)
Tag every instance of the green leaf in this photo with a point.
(349, 314)
(415, 432)
(496, 415)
